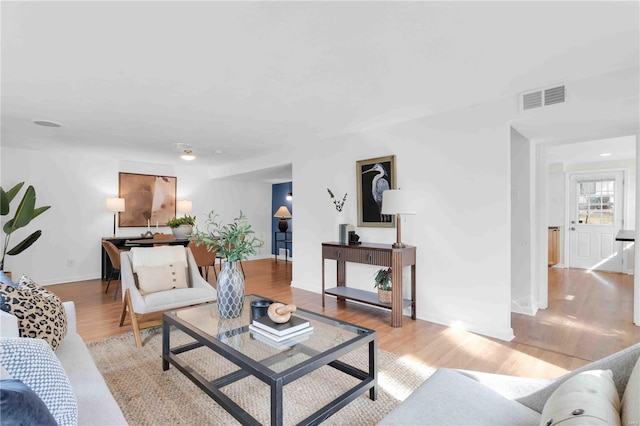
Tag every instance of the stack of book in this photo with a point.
(293, 331)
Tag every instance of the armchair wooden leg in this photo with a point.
(134, 320)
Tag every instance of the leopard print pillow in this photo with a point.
(40, 313)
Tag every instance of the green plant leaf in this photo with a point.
(4, 203)
(25, 210)
(25, 244)
(38, 211)
(11, 194)
(7, 197)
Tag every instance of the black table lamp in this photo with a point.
(284, 214)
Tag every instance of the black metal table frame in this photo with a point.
(286, 242)
(276, 381)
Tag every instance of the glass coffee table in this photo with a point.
(275, 363)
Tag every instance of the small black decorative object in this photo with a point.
(354, 238)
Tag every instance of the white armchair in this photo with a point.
(137, 301)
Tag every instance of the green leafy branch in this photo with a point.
(234, 241)
(339, 204)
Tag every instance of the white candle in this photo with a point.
(148, 224)
(156, 225)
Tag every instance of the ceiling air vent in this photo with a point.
(543, 97)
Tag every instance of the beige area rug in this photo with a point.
(149, 396)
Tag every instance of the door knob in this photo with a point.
(573, 228)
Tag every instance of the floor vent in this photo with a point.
(543, 97)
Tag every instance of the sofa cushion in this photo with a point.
(451, 398)
(20, 405)
(40, 313)
(621, 363)
(589, 398)
(630, 407)
(33, 362)
(162, 277)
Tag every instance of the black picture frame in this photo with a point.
(380, 171)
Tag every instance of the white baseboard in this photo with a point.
(505, 334)
(523, 306)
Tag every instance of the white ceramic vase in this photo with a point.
(182, 231)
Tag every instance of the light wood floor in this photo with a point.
(539, 350)
(590, 315)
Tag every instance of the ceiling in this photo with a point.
(238, 80)
(610, 149)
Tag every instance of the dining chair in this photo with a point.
(204, 258)
(159, 236)
(114, 256)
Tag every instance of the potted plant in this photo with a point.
(182, 227)
(382, 280)
(233, 242)
(24, 214)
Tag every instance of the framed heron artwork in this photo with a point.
(374, 176)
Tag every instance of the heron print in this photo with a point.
(375, 177)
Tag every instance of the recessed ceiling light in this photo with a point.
(605, 154)
(46, 123)
(187, 155)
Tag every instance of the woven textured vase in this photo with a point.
(230, 290)
(384, 296)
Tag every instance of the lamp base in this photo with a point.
(398, 245)
(283, 225)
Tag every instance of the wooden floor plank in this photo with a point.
(588, 318)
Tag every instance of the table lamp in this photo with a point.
(115, 205)
(398, 202)
(284, 214)
(184, 206)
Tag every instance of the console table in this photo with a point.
(372, 254)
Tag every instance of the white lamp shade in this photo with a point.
(184, 206)
(283, 211)
(115, 204)
(398, 201)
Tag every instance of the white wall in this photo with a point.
(76, 187)
(458, 162)
(522, 193)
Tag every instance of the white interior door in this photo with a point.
(595, 217)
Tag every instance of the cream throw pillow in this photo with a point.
(588, 398)
(152, 279)
(631, 398)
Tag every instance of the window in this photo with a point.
(596, 202)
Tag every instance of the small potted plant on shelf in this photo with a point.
(182, 227)
(382, 280)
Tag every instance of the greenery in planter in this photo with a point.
(382, 279)
(25, 213)
(234, 241)
(174, 222)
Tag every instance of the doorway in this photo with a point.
(596, 203)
